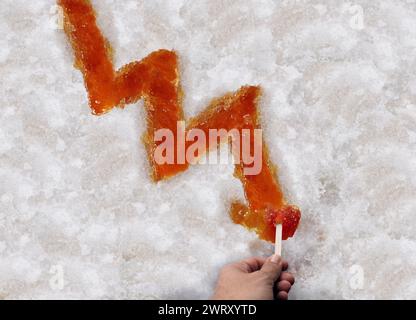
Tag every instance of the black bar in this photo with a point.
(205, 309)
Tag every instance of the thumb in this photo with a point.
(272, 268)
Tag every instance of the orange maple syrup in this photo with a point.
(156, 80)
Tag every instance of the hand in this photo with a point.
(254, 279)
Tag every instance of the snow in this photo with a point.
(79, 216)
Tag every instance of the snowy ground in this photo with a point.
(79, 216)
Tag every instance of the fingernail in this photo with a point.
(275, 258)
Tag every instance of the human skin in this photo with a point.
(255, 278)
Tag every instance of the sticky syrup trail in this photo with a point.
(156, 80)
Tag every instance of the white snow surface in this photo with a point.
(79, 215)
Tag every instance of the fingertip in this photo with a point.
(276, 259)
(285, 265)
(284, 285)
(288, 277)
(272, 268)
(282, 295)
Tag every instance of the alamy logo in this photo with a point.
(190, 147)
